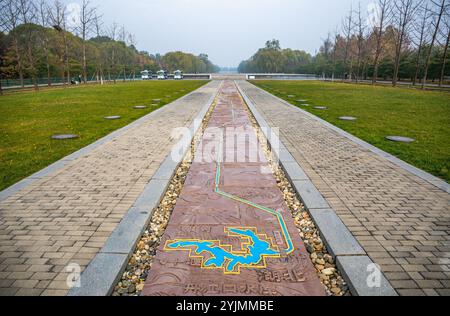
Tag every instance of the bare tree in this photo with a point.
(444, 55)
(10, 18)
(405, 10)
(441, 8)
(57, 14)
(347, 30)
(2, 26)
(44, 21)
(131, 41)
(28, 12)
(113, 33)
(334, 54)
(360, 36)
(98, 24)
(326, 51)
(98, 29)
(123, 34)
(422, 30)
(87, 19)
(384, 10)
(123, 38)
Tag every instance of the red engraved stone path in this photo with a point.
(263, 266)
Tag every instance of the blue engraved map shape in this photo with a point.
(256, 251)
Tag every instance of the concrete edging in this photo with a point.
(350, 257)
(58, 165)
(105, 270)
(428, 177)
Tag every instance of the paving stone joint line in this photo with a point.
(439, 183)
(57, 165)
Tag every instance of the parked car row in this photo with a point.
(161, 75)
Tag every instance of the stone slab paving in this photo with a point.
(65, 216)
(401, 220)
(217, 242)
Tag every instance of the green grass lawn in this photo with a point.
(381, 111)
(29, 119)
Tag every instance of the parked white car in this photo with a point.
(161, 75)
(146, 75)
(178, 75)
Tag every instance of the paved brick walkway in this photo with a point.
(67, 216)
(402, 221)
(219, 245)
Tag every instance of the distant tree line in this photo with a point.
(188, 63)
(273, 59)
(39, 39)
(398, 40)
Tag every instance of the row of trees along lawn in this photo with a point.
(188, 63)
(39, 40)
(398, 39)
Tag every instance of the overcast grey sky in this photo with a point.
(229, 31)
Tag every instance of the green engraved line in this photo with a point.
(280, 218)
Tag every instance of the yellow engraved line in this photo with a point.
(245, 244)
(290, 246)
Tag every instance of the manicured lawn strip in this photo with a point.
(28, 120)
(381, 111)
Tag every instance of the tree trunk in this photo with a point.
(350, 71)
(66, 57)
(32, 67)
(31, 58)
(345, 63)
(444, 60)
(84, 61)
(347, 45)
(421, 42)
(63, 71)
(47, 62)
(377, 55)
(427, 64)
(398, 52)
(358, 67)
(375, 70)
(62, 68)
(416, 75)
(61, 53)
(19, 61)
